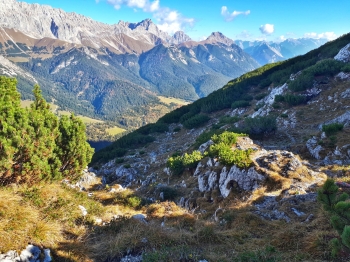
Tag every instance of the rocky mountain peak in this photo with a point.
(218, 37)
(145, 24)
(180, 37)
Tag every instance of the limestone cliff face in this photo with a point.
(40, 21)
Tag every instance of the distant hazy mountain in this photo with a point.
(268, 52)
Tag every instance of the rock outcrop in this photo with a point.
(344, 54)
(30, 254)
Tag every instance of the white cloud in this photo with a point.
(167, 20)
(325, 35)
(267, 29)
(244, 35)
(230, 16)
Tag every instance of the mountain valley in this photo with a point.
(214, 150)
(118, 77)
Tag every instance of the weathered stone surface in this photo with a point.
(247, 180)
(342, 119)
(314, 148)
(344, 54)
(30, 254)
(140, 217)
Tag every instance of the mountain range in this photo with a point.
(117, 72)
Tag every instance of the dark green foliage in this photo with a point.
(196, 121)
(174, 116)
(119, 160)
(158, 127)
(34, 144)
(332, 129)
(177, 129)
(346, 68)
(169, 193)
(240, 103)
(223, 150)
(261, 125)
(228, 138)
(177, 164)
(206, 136)
(327, 67)
(227, 156)
(303, 82)
(276, 106)
(120, 147)
(228, 119)
(279, 98)
(290, 99)
(72, 149)
(338, 206)
(260, 96)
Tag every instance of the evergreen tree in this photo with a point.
(338, 206)
(34, 144)
(43, 163)
(14, 135)
(72, 149)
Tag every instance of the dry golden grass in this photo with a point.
(23, 223)
(169, 100)
(115, 130)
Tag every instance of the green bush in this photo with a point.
(240, 103)
(177, 164)
(346, 68)
(260, 96)
(119, 160)
(227, 156)
(196, 121)
(259, 126)
(177, 129)
(133, 201)
(34, 144)
(206, 136)
(228, 119)
(338, 206)
(294, 100)
(276, 106)
(303, 82)
(169, 193)
(279, 98)
(227, 138)
(158, 127)
(332, 129)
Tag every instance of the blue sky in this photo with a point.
(239, 19)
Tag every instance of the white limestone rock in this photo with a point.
(344, 54)
(314, 148)
(247, 180)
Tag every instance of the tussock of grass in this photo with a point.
(22, 222)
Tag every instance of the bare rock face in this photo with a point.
(282, 169)
(39, 21)
(247, 180)
(180, 37)
(342, 119)
(344, 54)
(314, 148)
